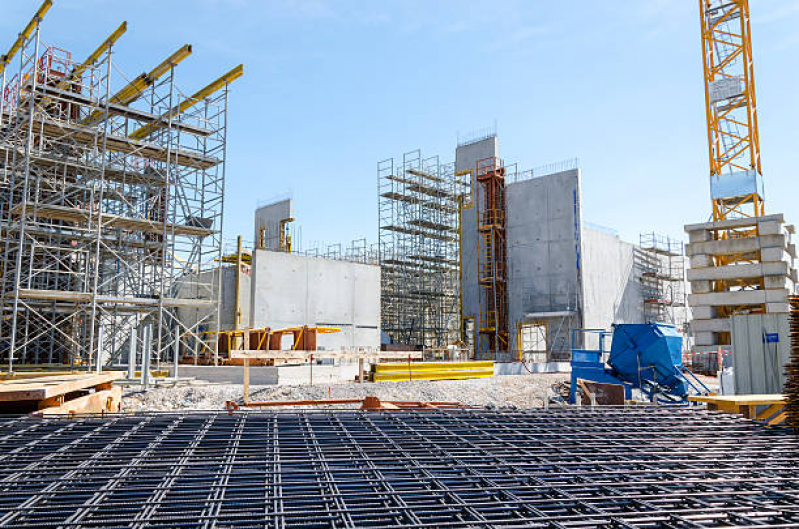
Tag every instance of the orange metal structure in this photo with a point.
(304, 338)
(492, 254)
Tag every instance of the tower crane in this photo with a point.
(736, 179)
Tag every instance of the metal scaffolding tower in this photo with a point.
(492, 260)
(418, 217)
(110, 204)
(661, 266)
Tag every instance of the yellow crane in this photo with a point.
(26, 33)
(189, 102)
(736, 179)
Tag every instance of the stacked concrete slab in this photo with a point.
(772, 253)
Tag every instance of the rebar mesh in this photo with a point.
(642, 467)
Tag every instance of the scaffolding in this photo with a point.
(418, 238)
(661, 267)
(111, 206)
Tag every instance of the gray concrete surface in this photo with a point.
(292, 290)
(517, 368)
(543, 219)
(611, 284)
(198, 290)
(466, 157)
(272, 375)
(269, 217)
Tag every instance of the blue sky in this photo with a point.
(332, 87)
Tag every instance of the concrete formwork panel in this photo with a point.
(542, 231)
(291, 290)
(269, 218)
(610, 282)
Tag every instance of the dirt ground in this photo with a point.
(514, 392)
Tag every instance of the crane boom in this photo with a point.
(37, 18)
(736, 180)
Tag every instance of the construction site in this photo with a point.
(488, 358)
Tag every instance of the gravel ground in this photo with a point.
(517, 391)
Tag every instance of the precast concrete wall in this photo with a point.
(194, 288)
(269, 217)
(543, 220)
(291, 290)
(611, 285)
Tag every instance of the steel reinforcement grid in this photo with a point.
(602, 467)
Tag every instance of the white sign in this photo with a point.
(726, 88)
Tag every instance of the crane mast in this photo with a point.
(736, 180)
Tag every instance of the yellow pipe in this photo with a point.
(79, 69)
(136, 87)
(37, 18)
(186, 104)
(237, 316)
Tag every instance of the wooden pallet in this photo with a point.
(61, 394)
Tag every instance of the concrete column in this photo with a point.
(134, 334)
(146, 351)
(100, 336)
(177, 350)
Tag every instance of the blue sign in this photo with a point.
(771, 337)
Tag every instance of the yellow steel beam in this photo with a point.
(94, 57)
(189, 102)
(134, 89)
(37, 18)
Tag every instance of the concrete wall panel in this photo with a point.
(291, 290)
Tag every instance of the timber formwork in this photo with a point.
(111, 196)
(418, 219)
(609, 467)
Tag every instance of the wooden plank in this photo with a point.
(778, 419)
(740, 400)
(107, 400)
(27, 375)
(768, 412)
(52, 386)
